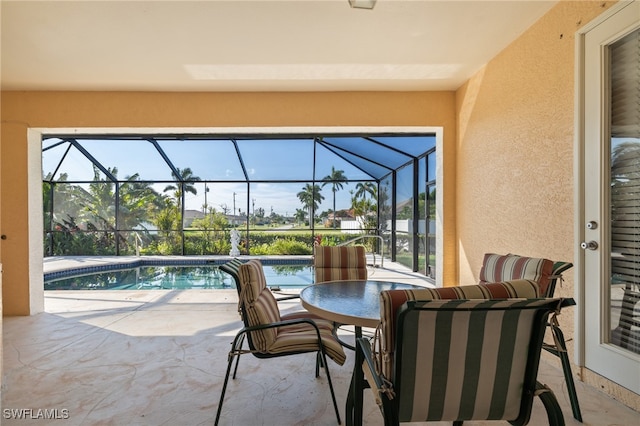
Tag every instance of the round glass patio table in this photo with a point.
(355, 302)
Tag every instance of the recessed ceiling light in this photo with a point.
(362, 4)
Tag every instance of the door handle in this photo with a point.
(591, 245)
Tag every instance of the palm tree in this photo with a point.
(310, 197)
(365, 188)
(99, 201)
(363, 207)
(300, 215)
(138, 200)
(185, 179)
(336, 178)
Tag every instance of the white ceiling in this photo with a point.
(260, 45)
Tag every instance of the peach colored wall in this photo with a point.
(23, 110)
(515, 153)
(515, 146)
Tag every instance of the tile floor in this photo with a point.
(159, 357)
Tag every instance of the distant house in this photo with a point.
(235, 220)
(190, 216)
(341, 215)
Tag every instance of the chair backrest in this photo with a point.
(468, 359)
(497, 267)
(231, 268)
(258, 305)
(392, 300)
(333, 263)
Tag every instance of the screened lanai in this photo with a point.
(184, 194)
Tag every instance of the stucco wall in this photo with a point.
(515, 154)
(515, 148)
(24, 110)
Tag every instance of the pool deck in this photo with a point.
(158, 357)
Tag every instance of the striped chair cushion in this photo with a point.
(303, 337)
(497, 268)
(260, 305)
(252, 280)
(472, 358)
(264, 310)
(392, 300)
(339, 263)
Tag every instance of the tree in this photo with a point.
(364, 210)
(335, 179)
(366, 188)
(138, 200)
(185, 183)
(214, 238)
(310, 197)
(99, 201)
(300, 215)
(168, 221)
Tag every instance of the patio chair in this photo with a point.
(391, 301)
(269, 336)
(331, 263)
(546, 273)
(232, 268)
(499, 267)
(338, 263)
(458, 360)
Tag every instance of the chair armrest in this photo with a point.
(281, 324)
(287, 297)
(236, 345)
(276, 289)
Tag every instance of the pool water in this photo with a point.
(179, 278)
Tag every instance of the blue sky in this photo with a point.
(218, 164)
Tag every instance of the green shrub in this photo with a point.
(281, 246)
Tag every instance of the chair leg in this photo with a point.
(554, 412)
(224, 388)
(240, 343)
(318, 363)
(561, 352)
(333, 395)
(568, 377)
(350, 405)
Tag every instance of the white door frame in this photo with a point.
(591, 350)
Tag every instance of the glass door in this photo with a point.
(611, 195)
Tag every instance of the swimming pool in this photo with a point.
(294, 274)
